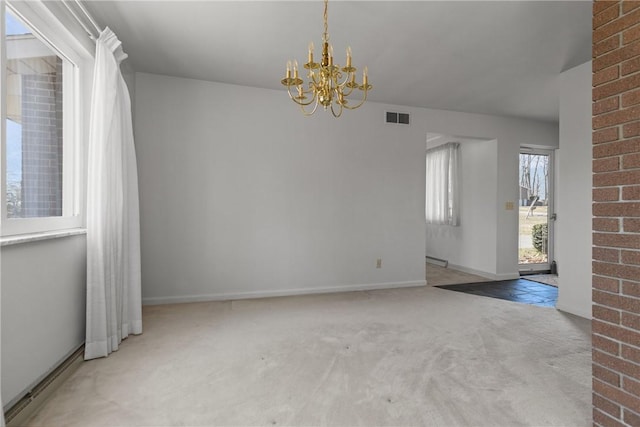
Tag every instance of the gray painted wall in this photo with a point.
(241, 195)
(43, 309)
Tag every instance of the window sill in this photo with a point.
(34, 237)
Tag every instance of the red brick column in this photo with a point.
(616, 212)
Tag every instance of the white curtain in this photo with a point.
(114, 303)
(441, 205)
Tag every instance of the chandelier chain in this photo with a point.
(325, 36)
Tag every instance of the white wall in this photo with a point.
(43, 309)
(465, 246)
(241, 195)
(573, 202)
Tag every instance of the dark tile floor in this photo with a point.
(518, 290)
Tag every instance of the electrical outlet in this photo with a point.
(509, 206)
(379, 263)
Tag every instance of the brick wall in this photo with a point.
(42, 143)
(616, 213)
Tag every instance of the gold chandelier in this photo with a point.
(328, 84)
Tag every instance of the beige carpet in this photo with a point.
(417, 356)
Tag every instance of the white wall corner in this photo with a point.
(574, 225)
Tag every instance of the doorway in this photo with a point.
(535, 219)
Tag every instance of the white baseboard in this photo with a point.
(279, 293)
(507, 276)
(492, 276)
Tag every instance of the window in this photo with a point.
(441, 205)
(39, 119)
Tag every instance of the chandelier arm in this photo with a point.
(334, 112)
(299, 102)
(359, 105)
(315, 107)
(348, 93)
(346, 79)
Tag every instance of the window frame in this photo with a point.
(75, 75)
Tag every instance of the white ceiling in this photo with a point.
(500, 57)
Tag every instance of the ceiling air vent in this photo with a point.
(399, 118)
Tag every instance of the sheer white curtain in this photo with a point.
(441, 205)
(114, 302)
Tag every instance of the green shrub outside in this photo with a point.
(539, 234)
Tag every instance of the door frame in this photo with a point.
(551, 214)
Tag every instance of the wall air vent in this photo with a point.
(399, 118)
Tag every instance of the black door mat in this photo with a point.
(518, 290)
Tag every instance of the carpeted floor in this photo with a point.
(416, 356)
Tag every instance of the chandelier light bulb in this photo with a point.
(311, 52)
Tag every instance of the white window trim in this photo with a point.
(36, 237)
(77, 90)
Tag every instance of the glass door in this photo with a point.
(535, 235)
